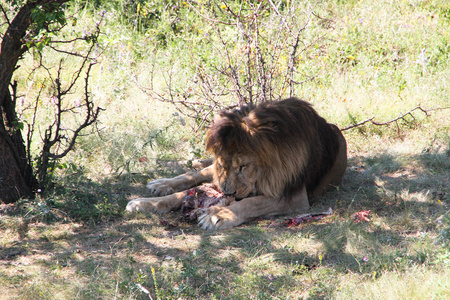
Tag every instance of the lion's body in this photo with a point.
(273, 158)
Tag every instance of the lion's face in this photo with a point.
(237, 175)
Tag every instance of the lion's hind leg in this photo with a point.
(337, 171)
(158, 205)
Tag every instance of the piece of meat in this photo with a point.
(202, 197)
(306, 218)
(361, 216)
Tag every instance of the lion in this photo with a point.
(271, 159)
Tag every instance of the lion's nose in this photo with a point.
(227, 190)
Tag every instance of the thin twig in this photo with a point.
(207, 18)
(5, 15)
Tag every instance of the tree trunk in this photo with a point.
(16, 175)
(14, 183)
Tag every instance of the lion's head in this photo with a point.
(237, 175)
(236, 167)
(272, 149)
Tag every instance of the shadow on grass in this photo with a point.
(115, 255)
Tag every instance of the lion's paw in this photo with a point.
(160, 187)
(134, 205)
(216, 217)
(147, 205)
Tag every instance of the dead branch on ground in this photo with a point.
(402, 117)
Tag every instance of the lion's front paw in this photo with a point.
(160, 187)
(133, 205)
(148, 205)
(216, 217)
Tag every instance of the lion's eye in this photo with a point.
(242, 167)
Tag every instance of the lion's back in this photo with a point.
(303, 138)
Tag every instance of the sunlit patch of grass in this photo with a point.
(414, 283)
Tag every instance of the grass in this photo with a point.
(75, 242)
(107, 256)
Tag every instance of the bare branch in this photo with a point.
(395, 120)
(31, 127)
(5, 15)
(257, 63)
(91, 117)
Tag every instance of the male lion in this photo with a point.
(271, 158)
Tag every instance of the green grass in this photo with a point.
(75, 242)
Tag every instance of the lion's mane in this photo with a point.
(292, 144)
